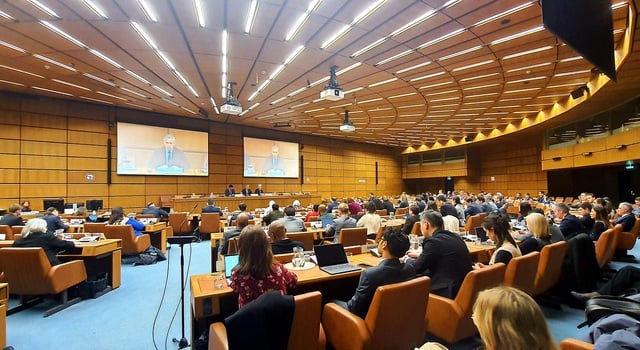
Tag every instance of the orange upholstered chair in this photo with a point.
(401, 212)
(550, 267)
(305, 237)
(450, 320)
(94, 227)
(606, 245)
(416, 230)
(473, 222)
(521, 272)
(306, 330)
(131, 245)
(395, 319)
(575, 344)
(353, 236)
(626, 240)
(209, 223)
(381, 212)
(179, 223)
(29, 273)
(8, 231)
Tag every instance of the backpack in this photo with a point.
(149, 257)
(602, 306)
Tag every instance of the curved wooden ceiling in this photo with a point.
(414, 72)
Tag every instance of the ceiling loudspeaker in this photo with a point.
(579, 92)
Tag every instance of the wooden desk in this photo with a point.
(253, 202)
(76, 228)
(4, 305)
(104, 256)
(158, 235)
(480, 253)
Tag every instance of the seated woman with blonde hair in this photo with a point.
(508, 318)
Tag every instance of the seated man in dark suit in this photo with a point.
(281, 244)
(53, 221)
(414, 217)
(13, 218)
(210, 208)
(243, 220)
(444, 257)
(386, 204)
(259, 190)
(230, 191)
(151, 209)
(274, 215)
(243, 209)
(343, 221)
(626, 218)
(570, 225)
(585, 216)
(246, 191)
(472, 207)
(390, 270)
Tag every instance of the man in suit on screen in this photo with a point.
(169, 159)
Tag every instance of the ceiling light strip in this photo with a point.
(302, 20)
(63, 34)
(7, 16)
(52, 61)
(95, 8)
(21, 71)
(197, 4)
(13, 47)
(106, 59)
(148, 10)
(224, 63)
(251, 16)
(528, 52)
(52, 91)
(42, 7)
(96, 100)
(70, 84)
(383, 82)
(113, 96)
(359, 18)
(10, 82)
(478, 64)
(517, 35)
(503, 14)
(133, 92)
(91, 76)
(413, 67)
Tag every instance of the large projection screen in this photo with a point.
(152, 150)
(270, 158)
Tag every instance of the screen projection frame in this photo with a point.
(259, 162)
(141, 151)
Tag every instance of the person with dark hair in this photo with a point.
(280, 243)
(230, 191)
(333, 205)
(13, 217)
(472, 207)
(370, 220)
(313, 212)
(525, 208)
(291, 222)
(117, 218)
(497, 228)
(390, 270)
(34, 234)
(211, 208)
(626, 280)
(445, 257)
(585, 216)
(243, 209)
(53, 220)
(421, 203)
(376, 201)
(570, 225)
(258, 271)
(273, 215)
(457, 204)
(601, 221)
(241, 222)
(431, 205)
(386, 204)
(414, 216)
(155, 211)
(26, 206)
(246, 191)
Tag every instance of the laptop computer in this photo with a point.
(327, 221)
(230, 262)
(482, 234)
(332, 259)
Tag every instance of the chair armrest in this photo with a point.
(322, 339)
(443, 315)
(67, 275)
(344, 330)
(218, 336)
(575, 344)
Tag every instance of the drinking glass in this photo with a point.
(298, 258)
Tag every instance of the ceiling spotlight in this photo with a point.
(579, 92)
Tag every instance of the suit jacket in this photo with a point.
(54, 223)
(472, 210)
(627, 220)
(285, 246)
(258, 191)
(211, 209)
(339, 224)
(229, 192)
(446, 259)
(293, 224)
(178, 159)
(228, 234)
(409, 222)
(389, 271)
(272, 216)
(50, 243)
(155, 211)
(571, 226)
(11, 220)
(587, 222)
(389, 206)
(246, 192)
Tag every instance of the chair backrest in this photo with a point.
(353, 236)
(568, 200)
(636, 228)
(415, 230)
(145, 216)
(305, 327)
(94, 227)
(549, 267)
(179, 223)
(521, 272)
(476, 281)
(396, 316)
(312, 218)
(165, 201)
(26, 270)
(381, 212)
(401, 211)
(626, 240)
(210, 223)
(8, 231)
(305, 237)
(232, 245)
(605, 247)
(284, 258)
(131, 244)
(474, 221)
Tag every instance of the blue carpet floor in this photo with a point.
(124, 318)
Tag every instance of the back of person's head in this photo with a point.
(149, 204)
(415, 210)
(585, 205)
(525, 208)
(296, 203)
(500, 225)
(448, 209)
(242, 220)
(456, 200)
(230, 185)
(35, 225)
(290, 211)
(116, 215)
(343, 208)
(322, 209)
(433, 218)
(538, 225)
(51, 211)
(397, 243)
(275, 206)
(508, 318)
(14, 208)
(315, 207)
(562, 207)
(277, 231)
(536, 210)
(441, 197)
(81, 211)
(371, 207)
(333, 199)
(210, 201)
(242, 207)
(431, 205)
(254, 250)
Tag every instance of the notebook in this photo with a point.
(230, 261)
(332, 259)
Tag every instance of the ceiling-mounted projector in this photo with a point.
(333, 91)
(347, 124)
(231, 104)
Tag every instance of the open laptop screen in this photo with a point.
(481, 233)
(230, 261)
(330, 254)
(327, 221)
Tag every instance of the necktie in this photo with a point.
(169, 158)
